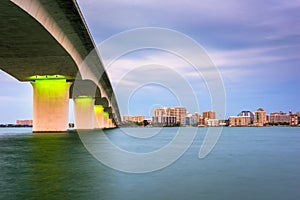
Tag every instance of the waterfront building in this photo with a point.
(128, 118)
(278, 117)
(168, 115)
(190, 120)
(260, 117)
(223, 122)
(164, 120)
(247, 113)
(293, 119)
(207, 116)
(24, 122)
(179, 113)
(240, 121)
(198, 117)
(212, 122)
(201, 122)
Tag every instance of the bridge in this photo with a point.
(46, 43)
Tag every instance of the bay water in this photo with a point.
(246, 163)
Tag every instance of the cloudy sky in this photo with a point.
(254, 44)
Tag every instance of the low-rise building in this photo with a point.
(293, 119)
(164, 120)
(278, 117)
(247, 113)
(190, 120)
(24, 122)
(212, 122)
(240, 121)
(129, 118)
(223, 122)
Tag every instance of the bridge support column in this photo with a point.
(110, 124)
(105, 120)
(99, 118)
(50, 105)
(84, 112)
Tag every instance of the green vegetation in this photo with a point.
(279, 124)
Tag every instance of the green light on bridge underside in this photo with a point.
(51, 88)
(105, 114)
(84, 100)
(98, 109)
(46, 77)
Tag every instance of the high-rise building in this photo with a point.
(260, 117)
(170, 116)
(208, 115)
(179, 113)
(279, 117)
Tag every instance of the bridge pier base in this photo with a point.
(50, 105)
(110, 124)
(99, 119)
(105, 120)
(84, 113)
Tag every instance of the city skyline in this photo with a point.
(180, 116)
(254, 44)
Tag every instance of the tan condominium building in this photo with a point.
(177, 113)
(260, 117)
(209, 115)
(240, 121)
(129, 118)
(279, 117)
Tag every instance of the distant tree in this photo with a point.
(145, 123)
(139, 123)
(285, 123)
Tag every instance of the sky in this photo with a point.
(254, 44)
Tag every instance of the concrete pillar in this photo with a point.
(110, 124)
(105, 120)
(84, 112)
(96, 123)
(50, 105)
(98, 110)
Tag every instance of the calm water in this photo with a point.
(246, 163)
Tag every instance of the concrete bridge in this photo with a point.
(46, 43)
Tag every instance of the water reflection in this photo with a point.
(51, 165)
(247, 163)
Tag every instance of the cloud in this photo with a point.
(265, 18)
(252, 56)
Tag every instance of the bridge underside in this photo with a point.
(47, 38)
(27, 47)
